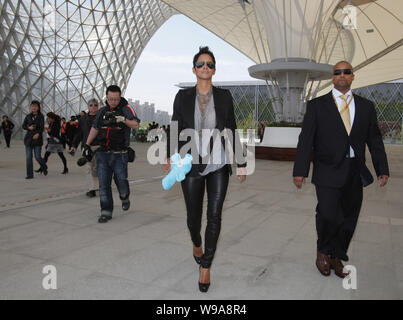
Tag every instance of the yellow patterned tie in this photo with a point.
(345, 113)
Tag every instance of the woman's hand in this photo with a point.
(166, 167)
(36, 136)
(241, 173)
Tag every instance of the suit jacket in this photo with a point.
(184, 109)
(323, 132)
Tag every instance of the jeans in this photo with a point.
(193, 190)
(37, 151)
(108, 165)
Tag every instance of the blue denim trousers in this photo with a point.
(112, 165)
(28, 153)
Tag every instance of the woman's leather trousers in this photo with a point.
(193, 190)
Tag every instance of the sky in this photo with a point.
(167, 60)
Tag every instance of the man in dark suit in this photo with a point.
(336, 128)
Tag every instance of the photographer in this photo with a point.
(84, 126)
(112, 126)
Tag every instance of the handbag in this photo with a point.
(131, 154)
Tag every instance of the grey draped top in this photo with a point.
(215, 157)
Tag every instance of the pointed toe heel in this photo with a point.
(197, 259)
(203, 287)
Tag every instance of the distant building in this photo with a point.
(146, 112)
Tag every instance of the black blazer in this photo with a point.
(184, 109)
(323, 132)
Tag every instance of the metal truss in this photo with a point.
(63, 53)
(388, 100)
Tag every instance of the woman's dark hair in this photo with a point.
(36, 102)
(113, 88)
(53, 116)
(203, 50)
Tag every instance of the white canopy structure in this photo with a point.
(367, 33)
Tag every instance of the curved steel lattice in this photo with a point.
(62, 53)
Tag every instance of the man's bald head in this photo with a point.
(342, 64)
(343, 76)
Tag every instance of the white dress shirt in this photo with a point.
(351, 108)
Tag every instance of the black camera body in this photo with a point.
(87, 156)
(109, 119)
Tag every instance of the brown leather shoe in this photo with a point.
(323, 264)
(337, 265)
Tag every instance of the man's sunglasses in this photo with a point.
(338, 72)
(201, 64)
(93, 105)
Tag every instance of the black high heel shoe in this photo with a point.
(66, 170)
(197, 259)
(203, 287)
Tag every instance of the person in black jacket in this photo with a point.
(71, 130)
(33, 140)
(336, 127)
(84, 127)
(204, 109)
(7, 127)
(54, 142)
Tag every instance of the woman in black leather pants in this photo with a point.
(198, 108)
(193, 190)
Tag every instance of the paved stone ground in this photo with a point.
(266, 248)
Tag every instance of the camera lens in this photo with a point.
(81, 161)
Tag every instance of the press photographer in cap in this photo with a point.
(112, 127)
(84, 127)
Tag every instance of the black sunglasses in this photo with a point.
(93, 105)
(200, 64)
(338, 72)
